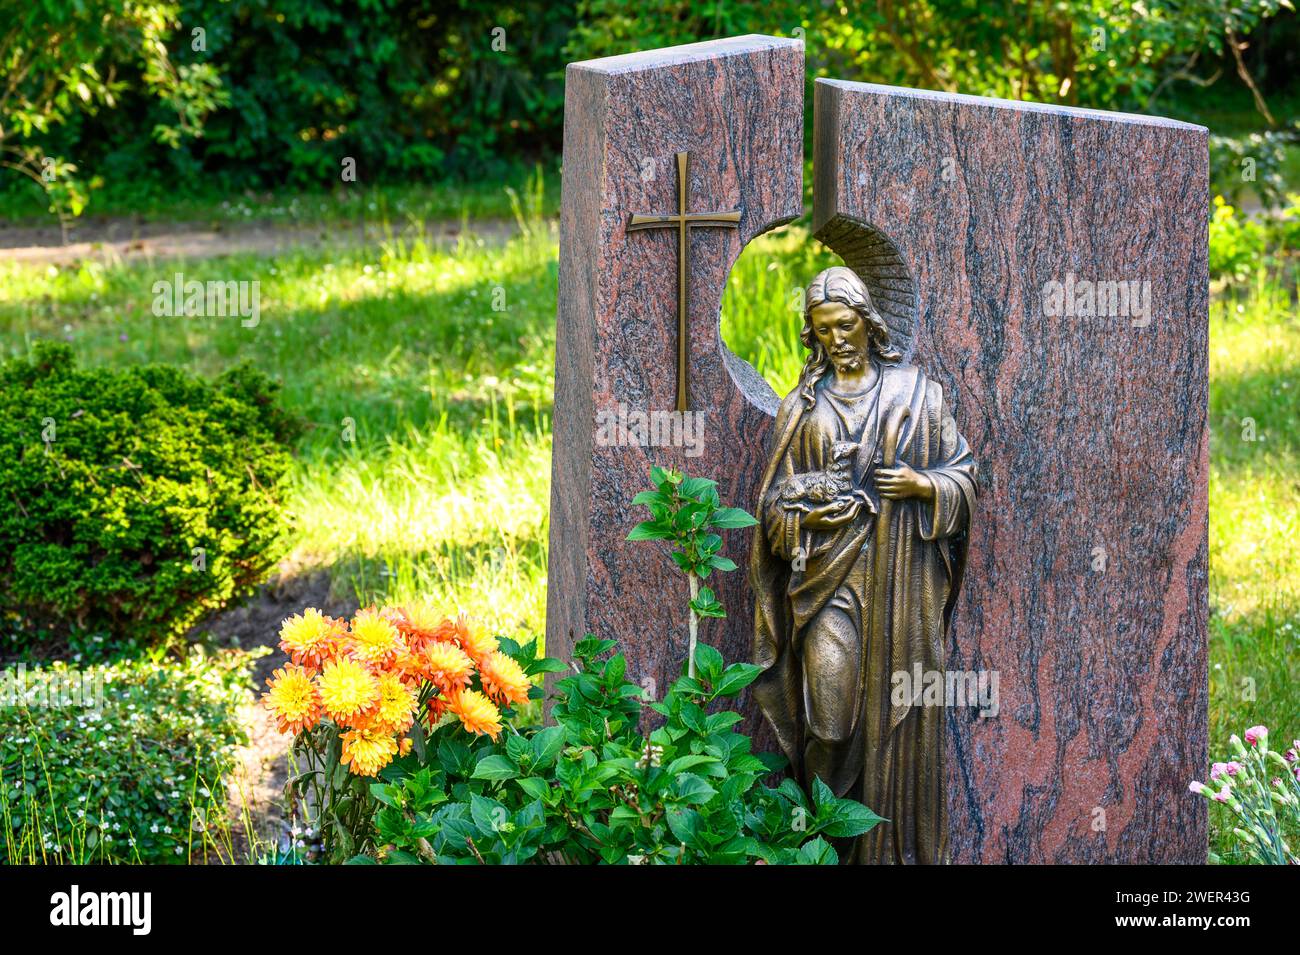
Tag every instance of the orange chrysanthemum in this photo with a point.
(446, 666)
(310, 638)
(409, 665)
(397, 702)
(349, 692)
(504, 680)
(418, 623)
(292, 698)
(476, 712)
(437, 707)
(373, 639)
(366, 751)
(479, 646)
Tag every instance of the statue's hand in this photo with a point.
(828, 517)
(903, 482)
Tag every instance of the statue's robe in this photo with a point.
(833, 711)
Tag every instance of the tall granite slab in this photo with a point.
(1086, 583)
(735, 108)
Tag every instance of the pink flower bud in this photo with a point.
(1197, 788)
(1224, 794)
(1233, 768)
(1217, 770)
(1255, 734)
(1289, 756)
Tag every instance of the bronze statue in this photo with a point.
(864, 509)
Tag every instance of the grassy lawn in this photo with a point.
(425, 373)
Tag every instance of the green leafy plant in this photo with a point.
(1242, 247)
(136, 500)
(686, 512)
(120, 763)
(1261, 787)
(594, 789)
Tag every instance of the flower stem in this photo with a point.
(694, 624)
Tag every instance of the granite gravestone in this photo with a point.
(673, 160)
(1055, 265)
(1048, 267)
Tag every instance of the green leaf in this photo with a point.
(519, 749)
(685, 825)
(547, 744)
(729, 517)
(847, 818)
(693, 789)
(544, 665)
(649, 531)
(418, 742)
(489, 815)
(735, 678)
(683, 763)
(651, 497)
(817, 852)
(708, 662)
(495, 768)
(534, 786)
(695, 487)
(380, 792)
(718, 562)
(821, 794)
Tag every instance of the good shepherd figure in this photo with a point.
(864, 509)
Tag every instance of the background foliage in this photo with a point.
(230, 95)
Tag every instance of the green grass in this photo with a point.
(443, 488)
(1254, 520)
(23, 203)
(444, 491)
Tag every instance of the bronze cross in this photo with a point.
(683, 221)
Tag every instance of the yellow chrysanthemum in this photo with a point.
(292, 698)
(476, 712)
(479, 646)
(504, 680)
(310, 638)
(349, 692)
(373, 638)
(397, 701)
(367, 751)
(446, 666)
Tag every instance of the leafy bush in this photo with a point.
(60, 65)
(593, 789)
(135, 500)
(1241, 246)
(119, 763)
(1255, 162)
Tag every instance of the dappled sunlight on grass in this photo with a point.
(1254, 518)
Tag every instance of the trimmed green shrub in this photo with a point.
(135, 501)
(120, 763)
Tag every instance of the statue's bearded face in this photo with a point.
(843, 333)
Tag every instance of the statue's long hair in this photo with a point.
(842, 285)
